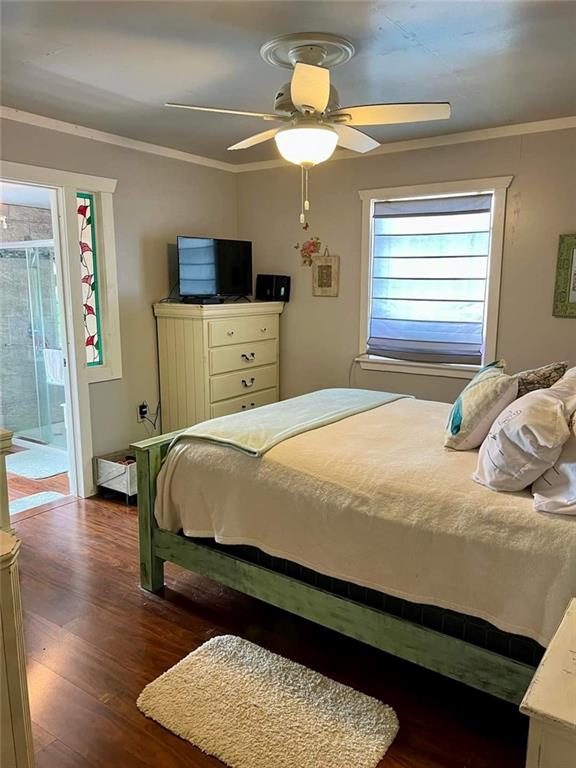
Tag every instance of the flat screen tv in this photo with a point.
(209, 268)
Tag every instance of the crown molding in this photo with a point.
(19, 116)
(465, 137)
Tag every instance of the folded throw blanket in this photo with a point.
(257, 431)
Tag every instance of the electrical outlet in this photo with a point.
(142, 411)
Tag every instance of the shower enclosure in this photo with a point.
(32, 373)
(58, 334)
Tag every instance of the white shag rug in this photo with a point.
(254, 709)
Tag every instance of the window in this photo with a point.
(88, 252)
(91, 281)
(94, 272)
(431, 273)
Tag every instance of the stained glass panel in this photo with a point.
(89, 278)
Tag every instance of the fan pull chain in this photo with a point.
(304, 202)
(302, 195)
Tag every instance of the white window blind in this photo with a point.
(429, 275)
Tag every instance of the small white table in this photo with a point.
(550, 701)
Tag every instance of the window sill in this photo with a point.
(447, 370)
(99, 373)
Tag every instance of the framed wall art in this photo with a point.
(565, 290)
(325, 275)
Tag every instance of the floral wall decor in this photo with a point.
(308, 249)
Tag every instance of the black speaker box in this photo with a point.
(272, 288)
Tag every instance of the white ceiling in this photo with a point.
(112, 65)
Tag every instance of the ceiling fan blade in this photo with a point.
(350, 138)
(310, 88)
(387, 114)
(258, 138)
(263, 115)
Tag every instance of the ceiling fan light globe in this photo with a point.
(306, 146)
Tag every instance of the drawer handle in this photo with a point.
(251, 406)
(263, 330)
(246, 384)
(249, 357)
(229, 333)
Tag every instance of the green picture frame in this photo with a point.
(565, 289)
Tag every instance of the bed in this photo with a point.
(401, 549)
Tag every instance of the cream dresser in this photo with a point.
(216, 359)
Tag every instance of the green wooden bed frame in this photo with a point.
(477, 667)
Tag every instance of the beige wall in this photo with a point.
(156, 199)
(320, 335)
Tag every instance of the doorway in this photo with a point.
(33, 378)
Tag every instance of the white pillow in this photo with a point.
(475, 409)
(525, 440)
(565, 389)
(555, 490)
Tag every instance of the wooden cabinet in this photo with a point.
(16, 749)
(550, 701)
(216, 359)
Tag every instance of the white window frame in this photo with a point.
(497, 186)
(65, 186)
(111, 367)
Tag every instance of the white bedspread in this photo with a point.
(375, 499)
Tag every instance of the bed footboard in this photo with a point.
(149, 456)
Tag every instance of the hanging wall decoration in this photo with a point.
(565, 290)
(308, 250)
(325, 274)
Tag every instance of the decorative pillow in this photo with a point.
(555, 490)
(565, 389)
(540, 378)
(527, 438)
(475, 409)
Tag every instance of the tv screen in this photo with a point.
(209, 267)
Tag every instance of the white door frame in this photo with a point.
(65, 185)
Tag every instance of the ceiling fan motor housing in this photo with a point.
(317, 48)
(284, 105)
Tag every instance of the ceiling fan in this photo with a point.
(313, 123)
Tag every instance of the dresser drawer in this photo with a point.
(237, 330)
(242, 382)
(245, 403)
(240, 356)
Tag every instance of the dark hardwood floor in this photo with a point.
(94, 639)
